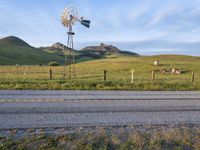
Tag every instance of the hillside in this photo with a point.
(104, 50)
(16, 51)
(15, 41)
(62, 50)
(59, 49)
(88, 53)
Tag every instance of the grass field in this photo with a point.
(90, 74)
(153, 138)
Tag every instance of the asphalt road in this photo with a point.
(41, 109)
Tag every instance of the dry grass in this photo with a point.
(157, 139)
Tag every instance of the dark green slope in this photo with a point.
(13, 40)
(15, 51)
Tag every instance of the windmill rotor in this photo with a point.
(70, 17)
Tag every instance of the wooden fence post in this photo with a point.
(153, 75)
(192, 77)
(17, 66)
(132, 75)
(50, 74)
(105, 73)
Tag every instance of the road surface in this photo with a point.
(41, 109)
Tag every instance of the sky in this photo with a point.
(147, 27)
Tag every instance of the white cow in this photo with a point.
(156, 63)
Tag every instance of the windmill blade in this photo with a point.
(70, 17)
(86, 23)
(66, 18)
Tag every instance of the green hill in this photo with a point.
(15, 41)
(88, 53)
(16, 51)
(60, 49)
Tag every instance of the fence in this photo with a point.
(118, 75)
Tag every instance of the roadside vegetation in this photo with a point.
(108, 139)
(90, 74)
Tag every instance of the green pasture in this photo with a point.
(89, 74)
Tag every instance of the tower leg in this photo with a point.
(70, 60)
(65, 67)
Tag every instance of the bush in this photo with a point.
(53, 63)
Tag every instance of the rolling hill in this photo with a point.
(62, 50)
(59, 49)
(16, 51)
(88, 53)
(104, 50)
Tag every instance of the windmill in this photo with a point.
(68, 19)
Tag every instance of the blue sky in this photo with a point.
(143, 26)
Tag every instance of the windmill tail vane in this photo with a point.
(86, 23)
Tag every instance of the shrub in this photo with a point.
(53, 63)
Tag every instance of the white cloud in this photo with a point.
(138, 11)
(162, 14)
